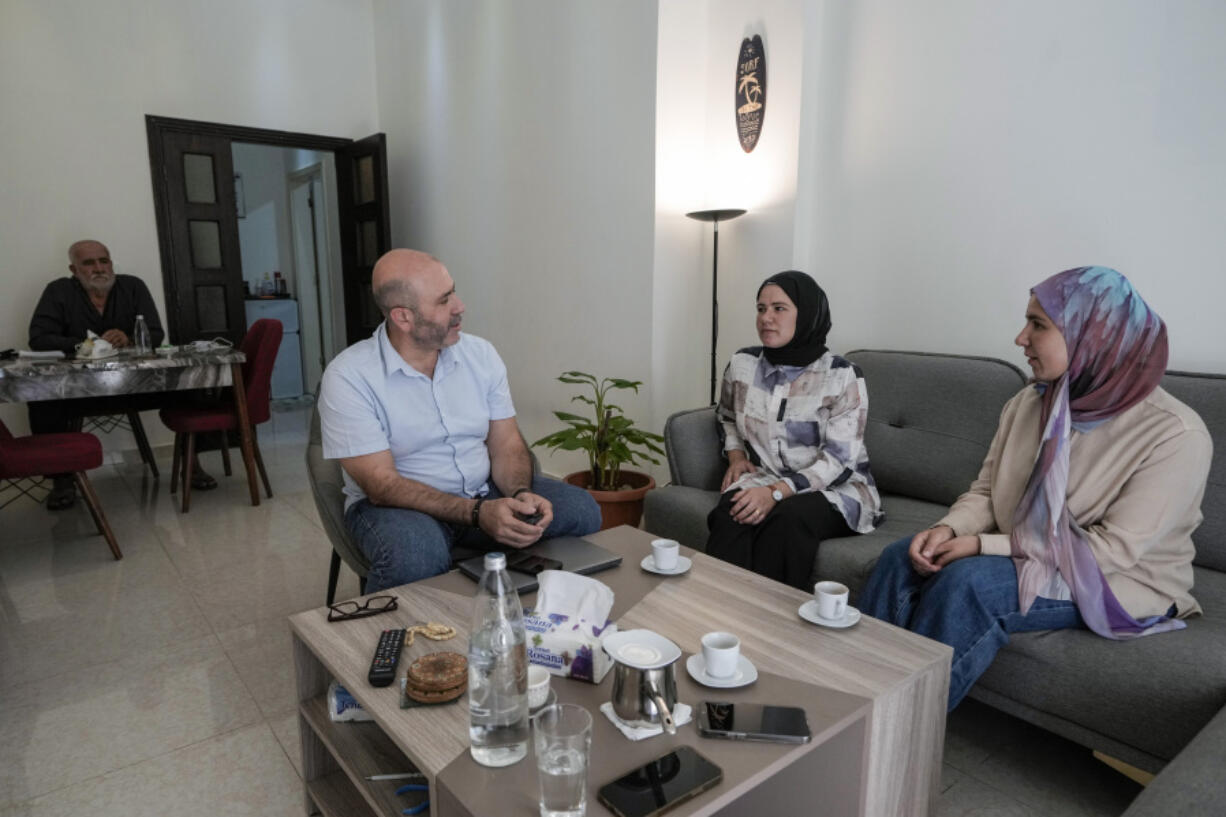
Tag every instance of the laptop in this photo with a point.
(576, 555)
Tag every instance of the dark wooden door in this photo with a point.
(204, 277)
(361, 184)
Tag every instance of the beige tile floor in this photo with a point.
(163, 682)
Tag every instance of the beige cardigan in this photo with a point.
(1135, 488)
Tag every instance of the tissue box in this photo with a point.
(568, 647)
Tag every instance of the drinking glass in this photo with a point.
(562, 736)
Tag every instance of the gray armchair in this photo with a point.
(328, 488)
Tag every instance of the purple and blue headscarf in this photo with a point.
(1117, 350)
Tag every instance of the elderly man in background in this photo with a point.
(420, 417)
(93, 299)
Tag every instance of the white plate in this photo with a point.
(641, 649)
(649, 564)
(746, 672)
(808, 611)
(167, 351)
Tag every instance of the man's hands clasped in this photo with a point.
(498, 519)
(934, 548)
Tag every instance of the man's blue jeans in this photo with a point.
(970, 604)
(404, 546)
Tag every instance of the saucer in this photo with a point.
(550, 699)
(808, 611)
(649, 564)
(641, 649)
(746, 672)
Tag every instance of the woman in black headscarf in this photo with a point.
(793, 417)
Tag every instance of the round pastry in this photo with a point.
(437, 677)
(436, 697)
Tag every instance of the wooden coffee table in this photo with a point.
(874, 696)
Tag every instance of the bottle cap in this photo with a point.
(495, 561)
(140, 317)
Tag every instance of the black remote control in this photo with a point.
(387, 656)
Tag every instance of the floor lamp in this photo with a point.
(715, 217)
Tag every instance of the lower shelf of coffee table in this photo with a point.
(360, 749)
(336, 796)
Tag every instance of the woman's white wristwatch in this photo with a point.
(777, 495)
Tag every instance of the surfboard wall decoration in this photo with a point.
(750, 91)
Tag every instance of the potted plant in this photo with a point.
(611, 441)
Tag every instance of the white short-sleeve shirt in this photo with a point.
(371, 400)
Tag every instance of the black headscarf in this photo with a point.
(812, 319)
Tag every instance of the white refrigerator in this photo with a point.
(287, 372)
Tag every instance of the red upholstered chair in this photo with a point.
(260, 346)
(73, 452)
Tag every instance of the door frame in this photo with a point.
(156, 127)
(324, 285)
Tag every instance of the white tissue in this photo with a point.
(565, 629)
(569, 594)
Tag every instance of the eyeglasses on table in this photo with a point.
(346, 610)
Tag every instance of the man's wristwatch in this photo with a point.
(777, 495)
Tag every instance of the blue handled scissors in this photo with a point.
(420, 807)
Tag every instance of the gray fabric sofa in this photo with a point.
(931, 420)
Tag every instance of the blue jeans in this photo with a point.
(404, 546)
(970, 604)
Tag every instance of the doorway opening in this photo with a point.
(289, 246)
(237, 205)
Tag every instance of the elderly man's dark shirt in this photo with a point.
(65, 312)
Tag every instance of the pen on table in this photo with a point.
(397, 776)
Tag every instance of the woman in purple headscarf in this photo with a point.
(1083, 512)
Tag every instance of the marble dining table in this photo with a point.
(25, 380)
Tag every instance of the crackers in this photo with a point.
(437, 677)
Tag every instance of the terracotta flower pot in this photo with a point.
(624, 507)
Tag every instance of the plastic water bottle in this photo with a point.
(140, 337)
(497, 670)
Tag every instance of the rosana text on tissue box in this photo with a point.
(565, 629)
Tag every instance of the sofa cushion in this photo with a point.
(679, 512)
(1152, 693)
(850, 559)
(1206, 394)
(695, 450)
(931, 419)
(1193, 785)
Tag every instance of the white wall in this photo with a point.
(78, 78)
(521, 143)
(957, 153)
(701, 166)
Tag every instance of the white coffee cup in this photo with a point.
(831, 600)
(720, 652)
(538, 686)
(665, 552)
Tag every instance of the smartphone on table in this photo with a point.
(665, 782)
(743, 721)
